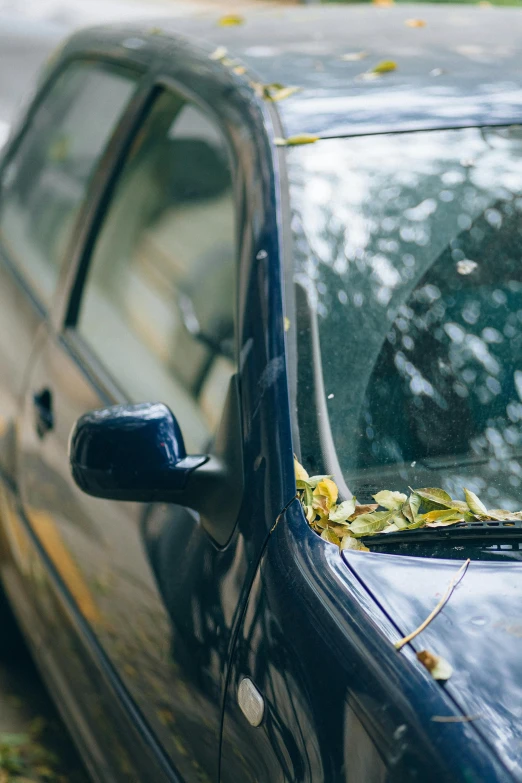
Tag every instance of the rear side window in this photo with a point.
(158, 304)
(45, 180)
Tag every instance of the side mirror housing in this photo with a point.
(131, 452)
(137, 453)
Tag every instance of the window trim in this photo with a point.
(71, 338)
(24, 127)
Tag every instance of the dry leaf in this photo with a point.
(230, 21)
(415, 23)
(438, 667)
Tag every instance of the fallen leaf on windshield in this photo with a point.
(300, 472)
(438, 667)
(344, 510)
(390, 500)
(329, 535)
(386, 66)
(475, 505)
(327, 489)
(411, 507)
(434, 495)
(319, 494)
(364, 509)
(415, 23)
(349, 542)
(353, 56)
(369, 524)
(294, 141)
(230, 21)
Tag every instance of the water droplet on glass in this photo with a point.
(466, 267)
(479, 621)
(262, 254)
(413, 463)
(331, 396)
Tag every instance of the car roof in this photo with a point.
(461, 67)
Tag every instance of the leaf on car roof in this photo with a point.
(438, 667)
(390, 500)
(341, 512)
(231, 20)
(415, 23)
(294, 141)
(385, 66)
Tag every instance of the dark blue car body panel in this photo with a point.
(276, 603)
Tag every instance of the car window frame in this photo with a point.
(51, 312)
(99, 375)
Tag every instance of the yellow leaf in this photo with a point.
(329, 535)
(328, 489)
(415, 23)
(230, 21)
(349, 542)
(287, 324)
(386, 66)
(300, 472)
(218, 53)
(383, 3)
(293, 141)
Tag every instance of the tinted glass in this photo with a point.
(159, 299)
(46, 180)
(409, 269)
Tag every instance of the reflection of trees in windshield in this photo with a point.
(410, 249)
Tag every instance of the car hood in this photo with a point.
(479, 632)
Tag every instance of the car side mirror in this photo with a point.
(136, 453)
(131, 452)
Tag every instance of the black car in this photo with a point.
(223, 244)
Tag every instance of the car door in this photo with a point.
(46, 171)
(151, 593)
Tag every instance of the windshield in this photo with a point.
(406, 317)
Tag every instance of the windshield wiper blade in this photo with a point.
(462, 531)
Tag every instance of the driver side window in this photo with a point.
(158, 303)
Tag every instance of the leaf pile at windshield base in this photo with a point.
(347, 522)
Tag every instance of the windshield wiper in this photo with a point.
(462, 531)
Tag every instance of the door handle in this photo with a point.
(43, 412)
